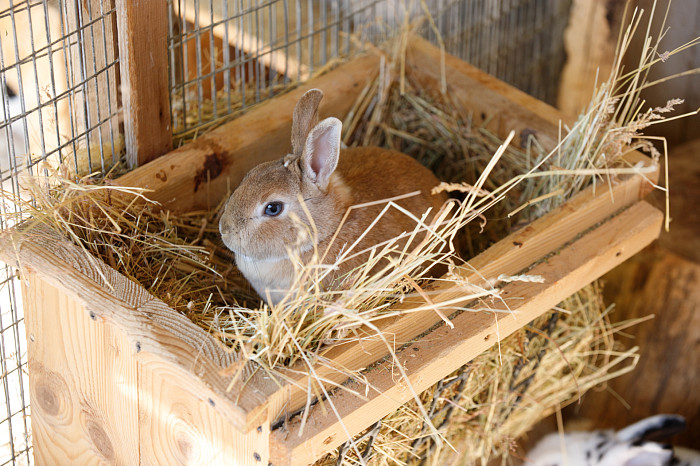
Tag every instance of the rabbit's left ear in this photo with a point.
(654, 428)
(321, 152)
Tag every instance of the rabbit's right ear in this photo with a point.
(654, 428)
(305, 118)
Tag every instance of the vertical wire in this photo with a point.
(226, 53)
(184, 59)
(310, 34)
(96, 125)
(240, 52)
(285, 4)
(272, 45)
(198, 59)
(70, 85)
(109, 66)
(212, 58)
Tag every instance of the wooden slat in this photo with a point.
(82, 384)
(157, 336)
(197, 175)
(143, 65)
(446, 349)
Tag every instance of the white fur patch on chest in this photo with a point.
(269, 277)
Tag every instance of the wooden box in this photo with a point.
(118, 377)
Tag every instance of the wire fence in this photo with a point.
(228, 54)
(58, 107)
(60, 92)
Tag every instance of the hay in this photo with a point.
(482, 409)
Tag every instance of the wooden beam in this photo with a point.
(445, 350)
(143, 66)
(197, 175)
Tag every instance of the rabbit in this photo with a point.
(635, 445)
(258, 220)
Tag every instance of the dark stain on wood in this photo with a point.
(213, 165)
(162, 176)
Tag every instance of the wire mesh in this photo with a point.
(228, 54)
(58, 107)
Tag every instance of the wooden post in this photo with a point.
(143, 61)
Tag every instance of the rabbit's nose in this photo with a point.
(225, 226)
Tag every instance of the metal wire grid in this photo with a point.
(58, 105)
(228, 54)
(518, 41)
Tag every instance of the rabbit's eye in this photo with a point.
(273, 209)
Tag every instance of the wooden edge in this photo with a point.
(199, 174)
(509, 256)
(445, 350)
(156, 332)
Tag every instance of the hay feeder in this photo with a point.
(118, 376)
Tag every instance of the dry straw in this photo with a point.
(180, 259)
(484, 407)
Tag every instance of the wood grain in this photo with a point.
(143, 66)
(441, 352)
(178, 428)
(82, 382)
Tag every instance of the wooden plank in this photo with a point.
(447, 349)
(156, 334)
(197, 175)
(143, 66)
(82, 383)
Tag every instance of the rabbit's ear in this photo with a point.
(321, 152)
(645, 454)
(305, 117)
(654, 428)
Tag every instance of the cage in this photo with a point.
(98, 81)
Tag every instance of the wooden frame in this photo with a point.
(128, 379)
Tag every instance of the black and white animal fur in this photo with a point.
(635, 445)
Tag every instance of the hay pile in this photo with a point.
(484, 407)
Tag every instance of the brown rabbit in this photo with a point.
(264, 219)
